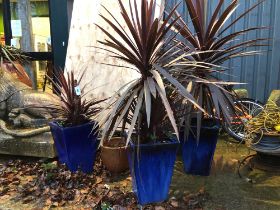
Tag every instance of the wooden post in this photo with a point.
(27, 39)
(24, 12)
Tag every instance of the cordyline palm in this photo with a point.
(144, 102)
(74, 109)
(210, 47)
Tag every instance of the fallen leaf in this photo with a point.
(55, 204)
(48, 202)
(98, 180)
(4, 191)
(28, 200)
(118, 207)
(28, 178)
(159, 208)
(84, 191)
(174, 203)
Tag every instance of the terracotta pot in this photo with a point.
(114, 155)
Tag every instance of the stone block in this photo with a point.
(36, 146)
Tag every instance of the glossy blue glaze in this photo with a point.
(57, 133)
(198, 155)
(151, 167)
(76, 146)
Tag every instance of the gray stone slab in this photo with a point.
(36, 146)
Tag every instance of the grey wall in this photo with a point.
(262, 73)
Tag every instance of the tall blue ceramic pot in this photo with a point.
(197, 154)
(151, 168)
(76, 146)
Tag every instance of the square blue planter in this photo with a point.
(198, 155)
(76, 146)
(151, 168)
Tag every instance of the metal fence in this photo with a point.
(260, 72)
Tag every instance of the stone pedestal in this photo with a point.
(37, 146)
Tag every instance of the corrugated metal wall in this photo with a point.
(261, 72)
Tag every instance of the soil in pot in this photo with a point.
(114, 155)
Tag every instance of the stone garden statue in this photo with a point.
(23, 111)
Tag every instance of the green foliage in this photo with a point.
(106, 206)
(49, 166)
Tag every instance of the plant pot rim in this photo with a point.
(172, 141)
(114, 147)
(214, 127)
(271, 135)
(69, 127)
(215, 124)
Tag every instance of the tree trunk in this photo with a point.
(24, 13)
(27, 39)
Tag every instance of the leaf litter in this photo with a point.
(47, 184)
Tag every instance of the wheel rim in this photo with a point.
(251, 109)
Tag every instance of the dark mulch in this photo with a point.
(49, 184)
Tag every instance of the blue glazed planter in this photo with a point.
(198, 156)
(76, 146)
(151, 168)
